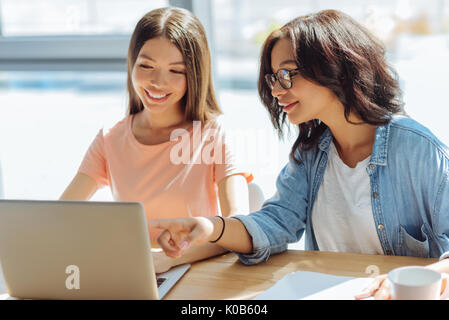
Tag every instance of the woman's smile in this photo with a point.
(287, 107)
(157, 98)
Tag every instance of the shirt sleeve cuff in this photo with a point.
(261, 244)
(444, 255)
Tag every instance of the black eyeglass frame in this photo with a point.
(271, 78)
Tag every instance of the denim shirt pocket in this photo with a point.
(413, 247)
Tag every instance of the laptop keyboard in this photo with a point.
(160, 281)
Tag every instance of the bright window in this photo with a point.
(48, 119)
(70, 17)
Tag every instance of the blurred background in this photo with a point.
(62, 76)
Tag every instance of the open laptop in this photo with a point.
(79, 250)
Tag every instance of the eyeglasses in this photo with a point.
(283, 76)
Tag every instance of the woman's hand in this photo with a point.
(379, 289)
(180, 234)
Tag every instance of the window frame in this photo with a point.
(81, 52)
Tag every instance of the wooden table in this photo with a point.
(224, 277)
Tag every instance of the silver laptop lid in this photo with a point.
(76, 250)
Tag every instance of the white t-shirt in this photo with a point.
(342, 216)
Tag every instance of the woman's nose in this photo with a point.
(277, 90)
(157, 78)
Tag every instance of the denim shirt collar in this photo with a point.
(380, 147)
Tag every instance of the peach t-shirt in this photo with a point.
(177, 178)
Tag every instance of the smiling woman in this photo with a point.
(170, 88)
(361, 178)
(347, 67)
(157, 76)
(185, 38)
(159, 80)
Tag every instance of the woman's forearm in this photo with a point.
(196, 253)
(235, 236)
(233, 194)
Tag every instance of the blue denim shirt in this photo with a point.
(409, 177)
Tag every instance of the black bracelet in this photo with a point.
(222, 230)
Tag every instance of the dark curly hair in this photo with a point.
(334, 51)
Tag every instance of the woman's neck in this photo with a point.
(350, 136)
(169, 119)
(354, 142)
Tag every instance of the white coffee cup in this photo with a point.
(417, 283)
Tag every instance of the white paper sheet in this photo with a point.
(315, 286)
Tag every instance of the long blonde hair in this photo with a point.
(185, 31)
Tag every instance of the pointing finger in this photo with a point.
(160, 223)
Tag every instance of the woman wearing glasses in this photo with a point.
(362, 176)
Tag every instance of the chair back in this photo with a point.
(256, 197)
